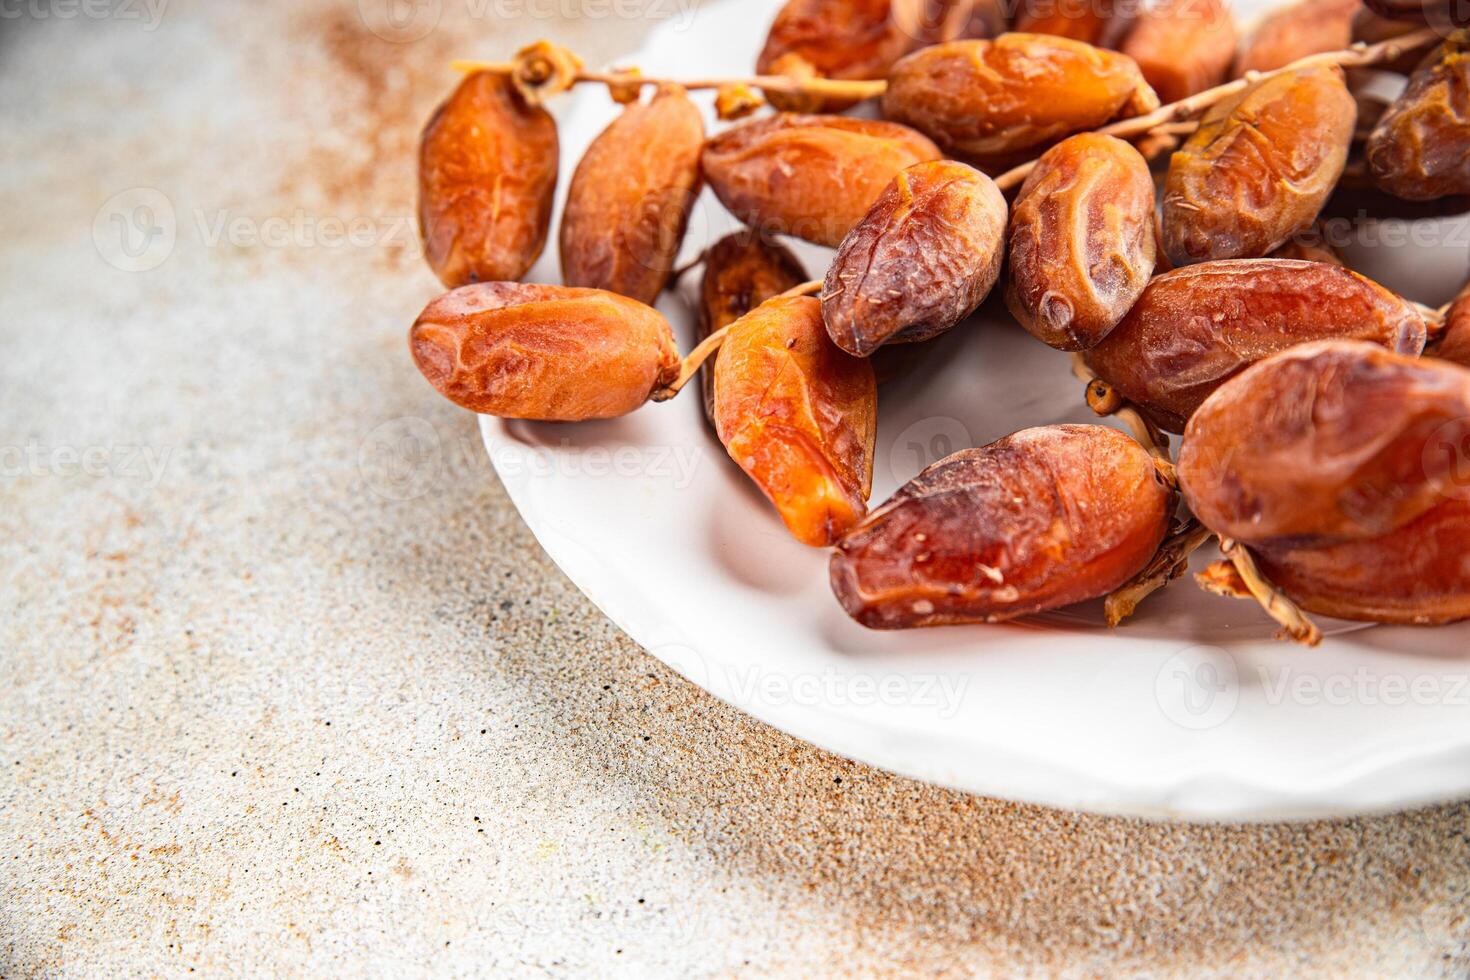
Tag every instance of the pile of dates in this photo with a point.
(1324, 420)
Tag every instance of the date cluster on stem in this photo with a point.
(1177, 252)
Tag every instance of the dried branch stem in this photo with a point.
(1294, 623)
(833, 88)
(1171, 562)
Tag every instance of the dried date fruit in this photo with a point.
(1040, 519)
(1098, 22)
(1195, 328)
(813, 177)
(1336, 439)
(798, 416)
(1081, 241)
(630, 198)
(1182, 46)
(1259, 168)
(953, 20)
(1420, 149)
(1293, 32)
(989, 101)
(487, 174)
(920, 261)
(1370, 28)
(1414, 575)
(1454, 343)
(741, 271)
(549, 353)
(844, 39)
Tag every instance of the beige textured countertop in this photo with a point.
(260, 714)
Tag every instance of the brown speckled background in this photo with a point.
(278, 697)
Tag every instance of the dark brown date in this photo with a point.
(630, 198)
(1420, 149)
(920, 261)
(1182, 46)
(487, 175)
(1040, 519)
(989, 101)
(798, 416)
(813, 177)
(1081, 241)
(550, 353)
(1195, 328)
(1337, 439)
(1259, 168)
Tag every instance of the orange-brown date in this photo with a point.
(549, 353)
(1259, 168)
(487, 175)
(919, 262)
(988, 102)
(1414, 575)
(1420, 149)
(1081, 241)
(798, 416)
(1097, 22)
(1296, 31)
(630, 198)
(813, 177)
(843, 39)
(1182, 46)
(954, 20)
(1195, 328)
(1040, 519)
(1338, 440)
(741, 271)
(1454, 343)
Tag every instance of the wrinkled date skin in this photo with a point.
(920, 261)
(1195, 328)
(1182, 46)
(741, 271)
(989, 102)
(1296, 31)
(798, 416)
(1259, 168)
(1414, 575)
(813, 177)
(1099, 22)
(849, 39)
(487, 175)
(630, 198)
(1420, 149)
(1040, 519)
(549, 353)
(1081, 241)
(1337, 439)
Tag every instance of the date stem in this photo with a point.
(1294, 623)
(1169, 563)
(702, 352)
(1358, 55)
(1104, 401)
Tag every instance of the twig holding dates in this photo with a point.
(1294, 623)
(1171, 562)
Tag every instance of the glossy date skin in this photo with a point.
(1331, 441)
(1259, 168)
(1420, 149)
(1182, 46)
(1195, 328)
(1081, 241)
(487, 175)
(990, 102)
(1296, 31)
(813, 177)
(919, 262)
(1040, 519)
(798, 416)
(548, 353)
(629, 202)
(741, 271)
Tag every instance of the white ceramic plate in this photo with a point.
(1191, 710)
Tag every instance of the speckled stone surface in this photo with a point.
(279, 697)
